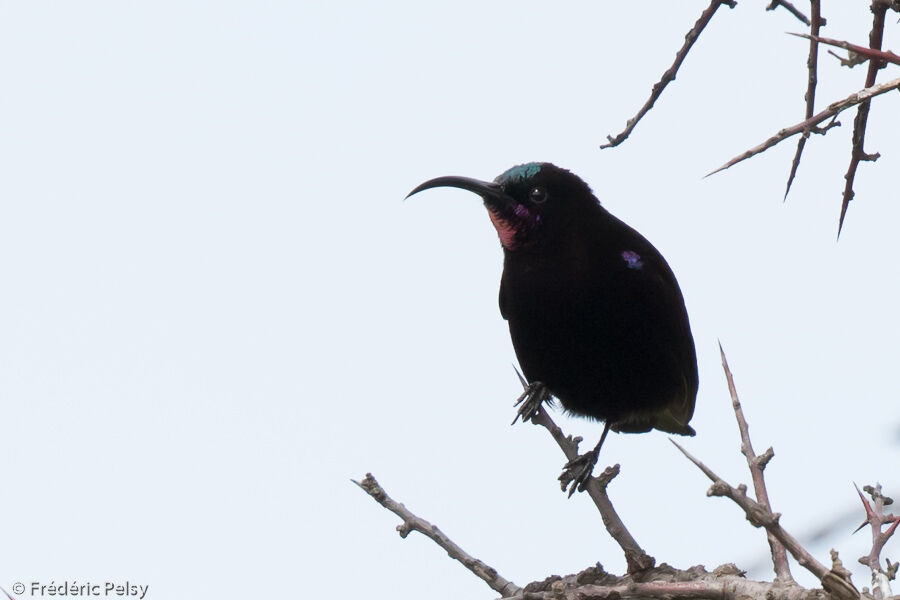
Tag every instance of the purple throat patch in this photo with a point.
(632, 259)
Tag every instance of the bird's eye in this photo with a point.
(538, 195)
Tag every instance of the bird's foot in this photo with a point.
(531, 400)
(577, 472)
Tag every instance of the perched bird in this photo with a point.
(595, 314)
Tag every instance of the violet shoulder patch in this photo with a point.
(632, 259)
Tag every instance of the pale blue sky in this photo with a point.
(217, 308)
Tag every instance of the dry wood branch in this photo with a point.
(876, 519)
(635, 557)
(413, 523)
(857, 154)
(670, 73)
(757, 464)
(812, 66)
(810, 124)
(664, 583)
(790, 8)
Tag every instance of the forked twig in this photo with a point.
(757, 514)
(411, 522)
(757, 465)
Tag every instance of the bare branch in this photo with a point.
(857, 154)
(759, 516)
(790, 8)
(757, 464)
(831, 111)
(413, 523)
(812, 67)
(670, 73)
(635, 557)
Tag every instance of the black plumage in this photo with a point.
(595, 313)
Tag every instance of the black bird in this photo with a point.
(595, 314)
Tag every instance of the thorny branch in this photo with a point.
(858, 54)
(812, 67)
(857, 154)
(757, 464)
(876, 519)
(669, 75)
(862, 51)
(413, 523)
(809, 124)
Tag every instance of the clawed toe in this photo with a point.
(577, 472)
(531, 400)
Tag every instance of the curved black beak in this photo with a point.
(484, 189)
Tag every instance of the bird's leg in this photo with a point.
(531, 400)
(577, 472)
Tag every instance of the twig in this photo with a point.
(759, 516)
(868, 53)
(790, 8)
(635, 557)
(857, 154)
(812, 67)
(413, 523)
(832, 110)
(876, 518)
(757, 464)
(670, 73)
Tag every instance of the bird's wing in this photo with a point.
(649, 304)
